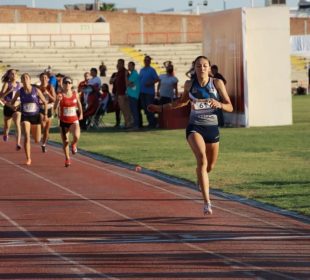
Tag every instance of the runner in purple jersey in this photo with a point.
(30, 112)
(9, 88)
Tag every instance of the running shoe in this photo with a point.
(73, 149)
(18, 147)
(43, 147)
(67, 162)
(5, 138)
(207, 208)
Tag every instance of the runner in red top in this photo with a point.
(69, 106)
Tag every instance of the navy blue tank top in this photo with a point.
(201, 111)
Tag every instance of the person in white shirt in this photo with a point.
(167, 88)
(94, 81)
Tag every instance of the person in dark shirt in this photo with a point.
(102, 69)
(216, 74)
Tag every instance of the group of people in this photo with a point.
(135, 91)
(32, 107)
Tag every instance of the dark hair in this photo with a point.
(94, 69)
(201, 56)
(43, 74)
(131, 62)
(170, 69)
(214, 67)
(6, 77)
(105, 85)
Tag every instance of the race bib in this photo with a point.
(69, 111)
(30, 107)
(202, 105)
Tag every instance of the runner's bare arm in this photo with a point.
(181, 102)
(79, 105)
(43, 100)
(52, 94)
(4, 91)
(225, 105)
(12, 103)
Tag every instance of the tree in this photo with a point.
(108, 7)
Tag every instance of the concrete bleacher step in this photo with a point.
(76, 61)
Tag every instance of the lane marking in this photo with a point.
(53, 252)
(101, 205)
(142, 240)
(197, 200)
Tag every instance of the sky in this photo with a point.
(149, 6)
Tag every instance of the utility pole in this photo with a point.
(96, 5)
(33, 3)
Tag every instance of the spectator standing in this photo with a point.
(148, 78)
(133, 92)
(102, 69)
(215, 74)
(59, 87)
(52, 78)
(167, 87)
(122, 98)
(191, 72)
(114, 100)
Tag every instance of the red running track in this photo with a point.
(99, 221)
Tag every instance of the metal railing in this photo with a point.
(54, 40)
(163, 37)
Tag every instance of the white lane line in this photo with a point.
(120, 174)
(53, 252)
(143, 240)
(101, 205)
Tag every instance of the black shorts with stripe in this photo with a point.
(210, 134)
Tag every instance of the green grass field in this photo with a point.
(267, 164)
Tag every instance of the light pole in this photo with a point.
(204, 3)
(33, 3)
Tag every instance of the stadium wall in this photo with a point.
(125, 28)
(130, 28)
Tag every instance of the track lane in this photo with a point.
(106, 203)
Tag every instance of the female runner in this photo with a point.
(30, 98)
(70, 112)
(50, 96)
(202, 132)
(9, 88)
